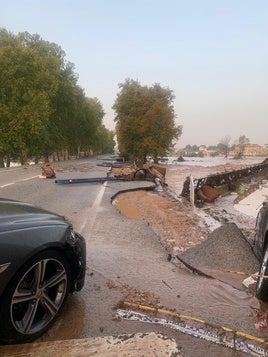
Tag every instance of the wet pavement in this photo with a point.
(150, 344)
(126, 262)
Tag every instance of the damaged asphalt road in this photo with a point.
(222, 255)
(127, 262)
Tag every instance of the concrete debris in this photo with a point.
(248, 282)
(225, 249)
(48, 171)
(149, 172)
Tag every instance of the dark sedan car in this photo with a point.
(42, 260)
(261, 250)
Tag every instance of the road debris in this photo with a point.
(164, 282)
(153, 173)
(236, 340)
(48, 171)
(87, 180)
(226, 180)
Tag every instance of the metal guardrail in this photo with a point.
(230, 179)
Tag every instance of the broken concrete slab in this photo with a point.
(225, 250)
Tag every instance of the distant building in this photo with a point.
(255, 149)
(252, 150)
(206, 152)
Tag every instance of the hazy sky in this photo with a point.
(212, 53)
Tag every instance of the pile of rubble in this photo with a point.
(148, 172)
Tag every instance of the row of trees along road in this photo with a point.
(145, 120)
(43, 111)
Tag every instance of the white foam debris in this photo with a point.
(253, 202)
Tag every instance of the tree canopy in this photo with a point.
(145, 120)
(242, 142)
(224, 145)
(43, 110)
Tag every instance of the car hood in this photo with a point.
(15, 214)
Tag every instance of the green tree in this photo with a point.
(145, 120)
(28, 80)
(67, 115)
(43, 111)
(191, 150)
(105, 140)
(242, 142)
(95, 114)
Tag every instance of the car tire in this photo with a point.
(34, 298)
(262, 283)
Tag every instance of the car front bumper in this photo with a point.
(78, 262)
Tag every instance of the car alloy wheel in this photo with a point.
(36, 297)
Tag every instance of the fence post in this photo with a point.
(191, 190)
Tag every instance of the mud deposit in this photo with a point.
(180, 228)
(174, 220)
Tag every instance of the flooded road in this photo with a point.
(127, 262)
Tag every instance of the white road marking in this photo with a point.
(30, 178)
(13, 183)
(8, 184)
(91, 214)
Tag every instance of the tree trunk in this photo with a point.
(8, 160)
(2, 164)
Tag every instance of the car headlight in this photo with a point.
(71, 238)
